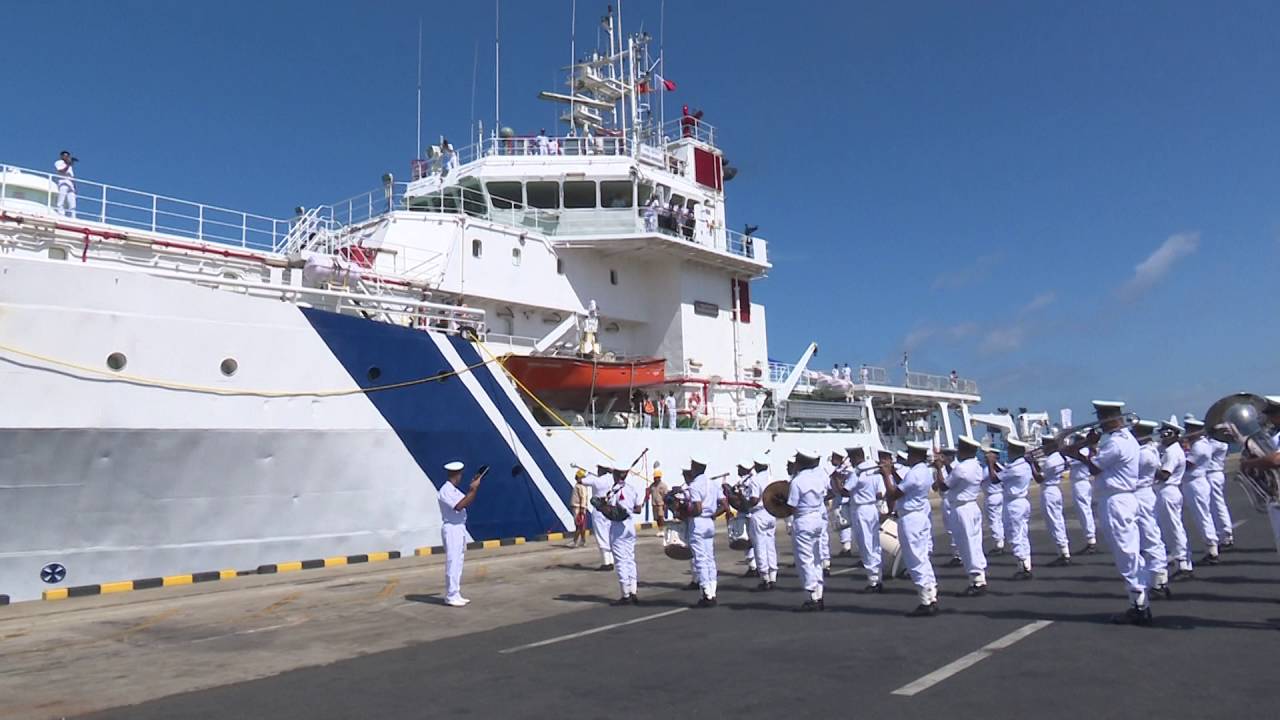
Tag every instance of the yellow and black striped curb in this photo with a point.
(144, 584)
(336, 561)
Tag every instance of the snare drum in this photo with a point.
(675, 540)
(738, 537)
(890, 550)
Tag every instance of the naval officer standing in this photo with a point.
(808, 499)
(453, 528)
(915, 528)
(1153, 554)
(708, 501)
(1015, 478)
(1197, 492)
(624, 501)
(1082, 498)
(600, 483)
(1218, 494)
(961, 485)
(761, 525)
(1173, 463)
(865, 489)
(1052, 468)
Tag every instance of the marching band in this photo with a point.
(1138, 475)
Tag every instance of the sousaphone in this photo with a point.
(774, 499)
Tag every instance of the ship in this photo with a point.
(190, 387)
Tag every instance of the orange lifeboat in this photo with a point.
(571, 381)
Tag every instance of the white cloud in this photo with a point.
(1159, 263)
(1039, 302)
(968, 275)
(1012, 336)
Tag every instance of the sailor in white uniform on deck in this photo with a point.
(910, 499)
(623, 500)
(1155, 559)
(453, 528)
(1016, 479)
(808, 500)
(993, 507)
(1196, 491)
(1218, 494)
(1082, 498)
(709, 503)
(762, 525)
(864, 488)
(64, 166)
(1115, 467)
(1052, 468)
(600, 483)
(960, 486)
(1168, 486)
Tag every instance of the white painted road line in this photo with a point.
(592, 631)
(969, 660)
(1238, 523)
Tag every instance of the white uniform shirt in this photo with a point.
(1173, 461)
(599, 484)
(670, 402)
(808, 492)
(865, 484)
(1199, 458)
(449, 497)
(964, 481)
(842, 475)
(1117, 457)
(1080, 471)
(707, 492)
(1218, 461)
(625, 497)
(755, 485)
(66, 172)
(915, 487)
(1052, 468)
(1148, 464)
(1016, 478)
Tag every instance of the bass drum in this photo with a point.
(739, 539)
(890, 549)
(675, 540)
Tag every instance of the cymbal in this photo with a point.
(774, 499)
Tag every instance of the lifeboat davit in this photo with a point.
(569, 382)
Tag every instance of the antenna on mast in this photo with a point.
(417, 143)
(573, 58)
(497, 62)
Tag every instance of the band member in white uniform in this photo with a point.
(1269, 462)
(1115, 467)
(1082, 498)
(840, 475)
(600, 483)
(748, 555)
(864, 488)
(622, 534)
(961, 485)
(993, 508)
(948, 521)
(825, 540)
(453, 528)
(1016, 479)
(1155, 560)
(1052, 468)
(762, 525)
(1168, 486)
(1196, 491)
(708, 504)
(1218, 494)
(910, 499)
(808, 498)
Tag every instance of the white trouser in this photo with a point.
(762, 528)
(1153, 554)
(948, 523)
(66, 199)
(993, 505)
(622, 542)
(1120, 511)
(966, 528)
(1218, 504)
(600, 530)
(807, 532)
(1082, 494)
(1169, 516)
(846, 526)
(914, 531)
(866, 524)
(1273, 512)
(1017, 512)
(1051, 504)
(824, 542)
(702, 539)
(1195, 496)
(454, 538)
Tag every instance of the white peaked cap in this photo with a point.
(913, 445)
(761, 460)
(901, 455)
(807, 453)
(746, 464)
(839, 453)
(1148, 424)
(1171, 426)
(969, 440)
(1108, 404)
(455, 466)
(698, 458)
(1192, 422)
(1273, 399)
(1015, 442)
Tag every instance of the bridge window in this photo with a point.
(579, 194)
(515, 256)
(506, 195)
(472, 197)
(543, 195)
(616, 193)
(477, 248)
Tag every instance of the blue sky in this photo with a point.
(1061, 200)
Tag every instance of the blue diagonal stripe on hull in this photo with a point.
(437, 421)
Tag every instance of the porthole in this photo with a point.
(229, 367)
(374, 373)
(116, 361)
(57, 253)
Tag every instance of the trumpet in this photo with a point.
(1130, 419)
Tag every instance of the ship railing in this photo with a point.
(125, 207)
(688, 126)
(941, 383)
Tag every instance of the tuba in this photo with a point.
(1238, 418)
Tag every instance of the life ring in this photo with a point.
(695, 403)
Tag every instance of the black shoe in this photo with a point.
(705, 602)
(826, 572)
(635, 599)
(845, 553)
(924, 610)
(997, 550)
(1133, 616)
(624, 600)
(1227, 544)
(1162, 592)
(692, 586)
(822, 604)
(763, 585)
(751, 572)
(808, 606)
(1061, 561)
(903, 574)
(1211, 559)
(975, 591)
(1090, 549)
(874, 588)
(955, 562)
(1022, 574)
(1181, 574)
(603, 568)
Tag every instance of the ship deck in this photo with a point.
(374, 641)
